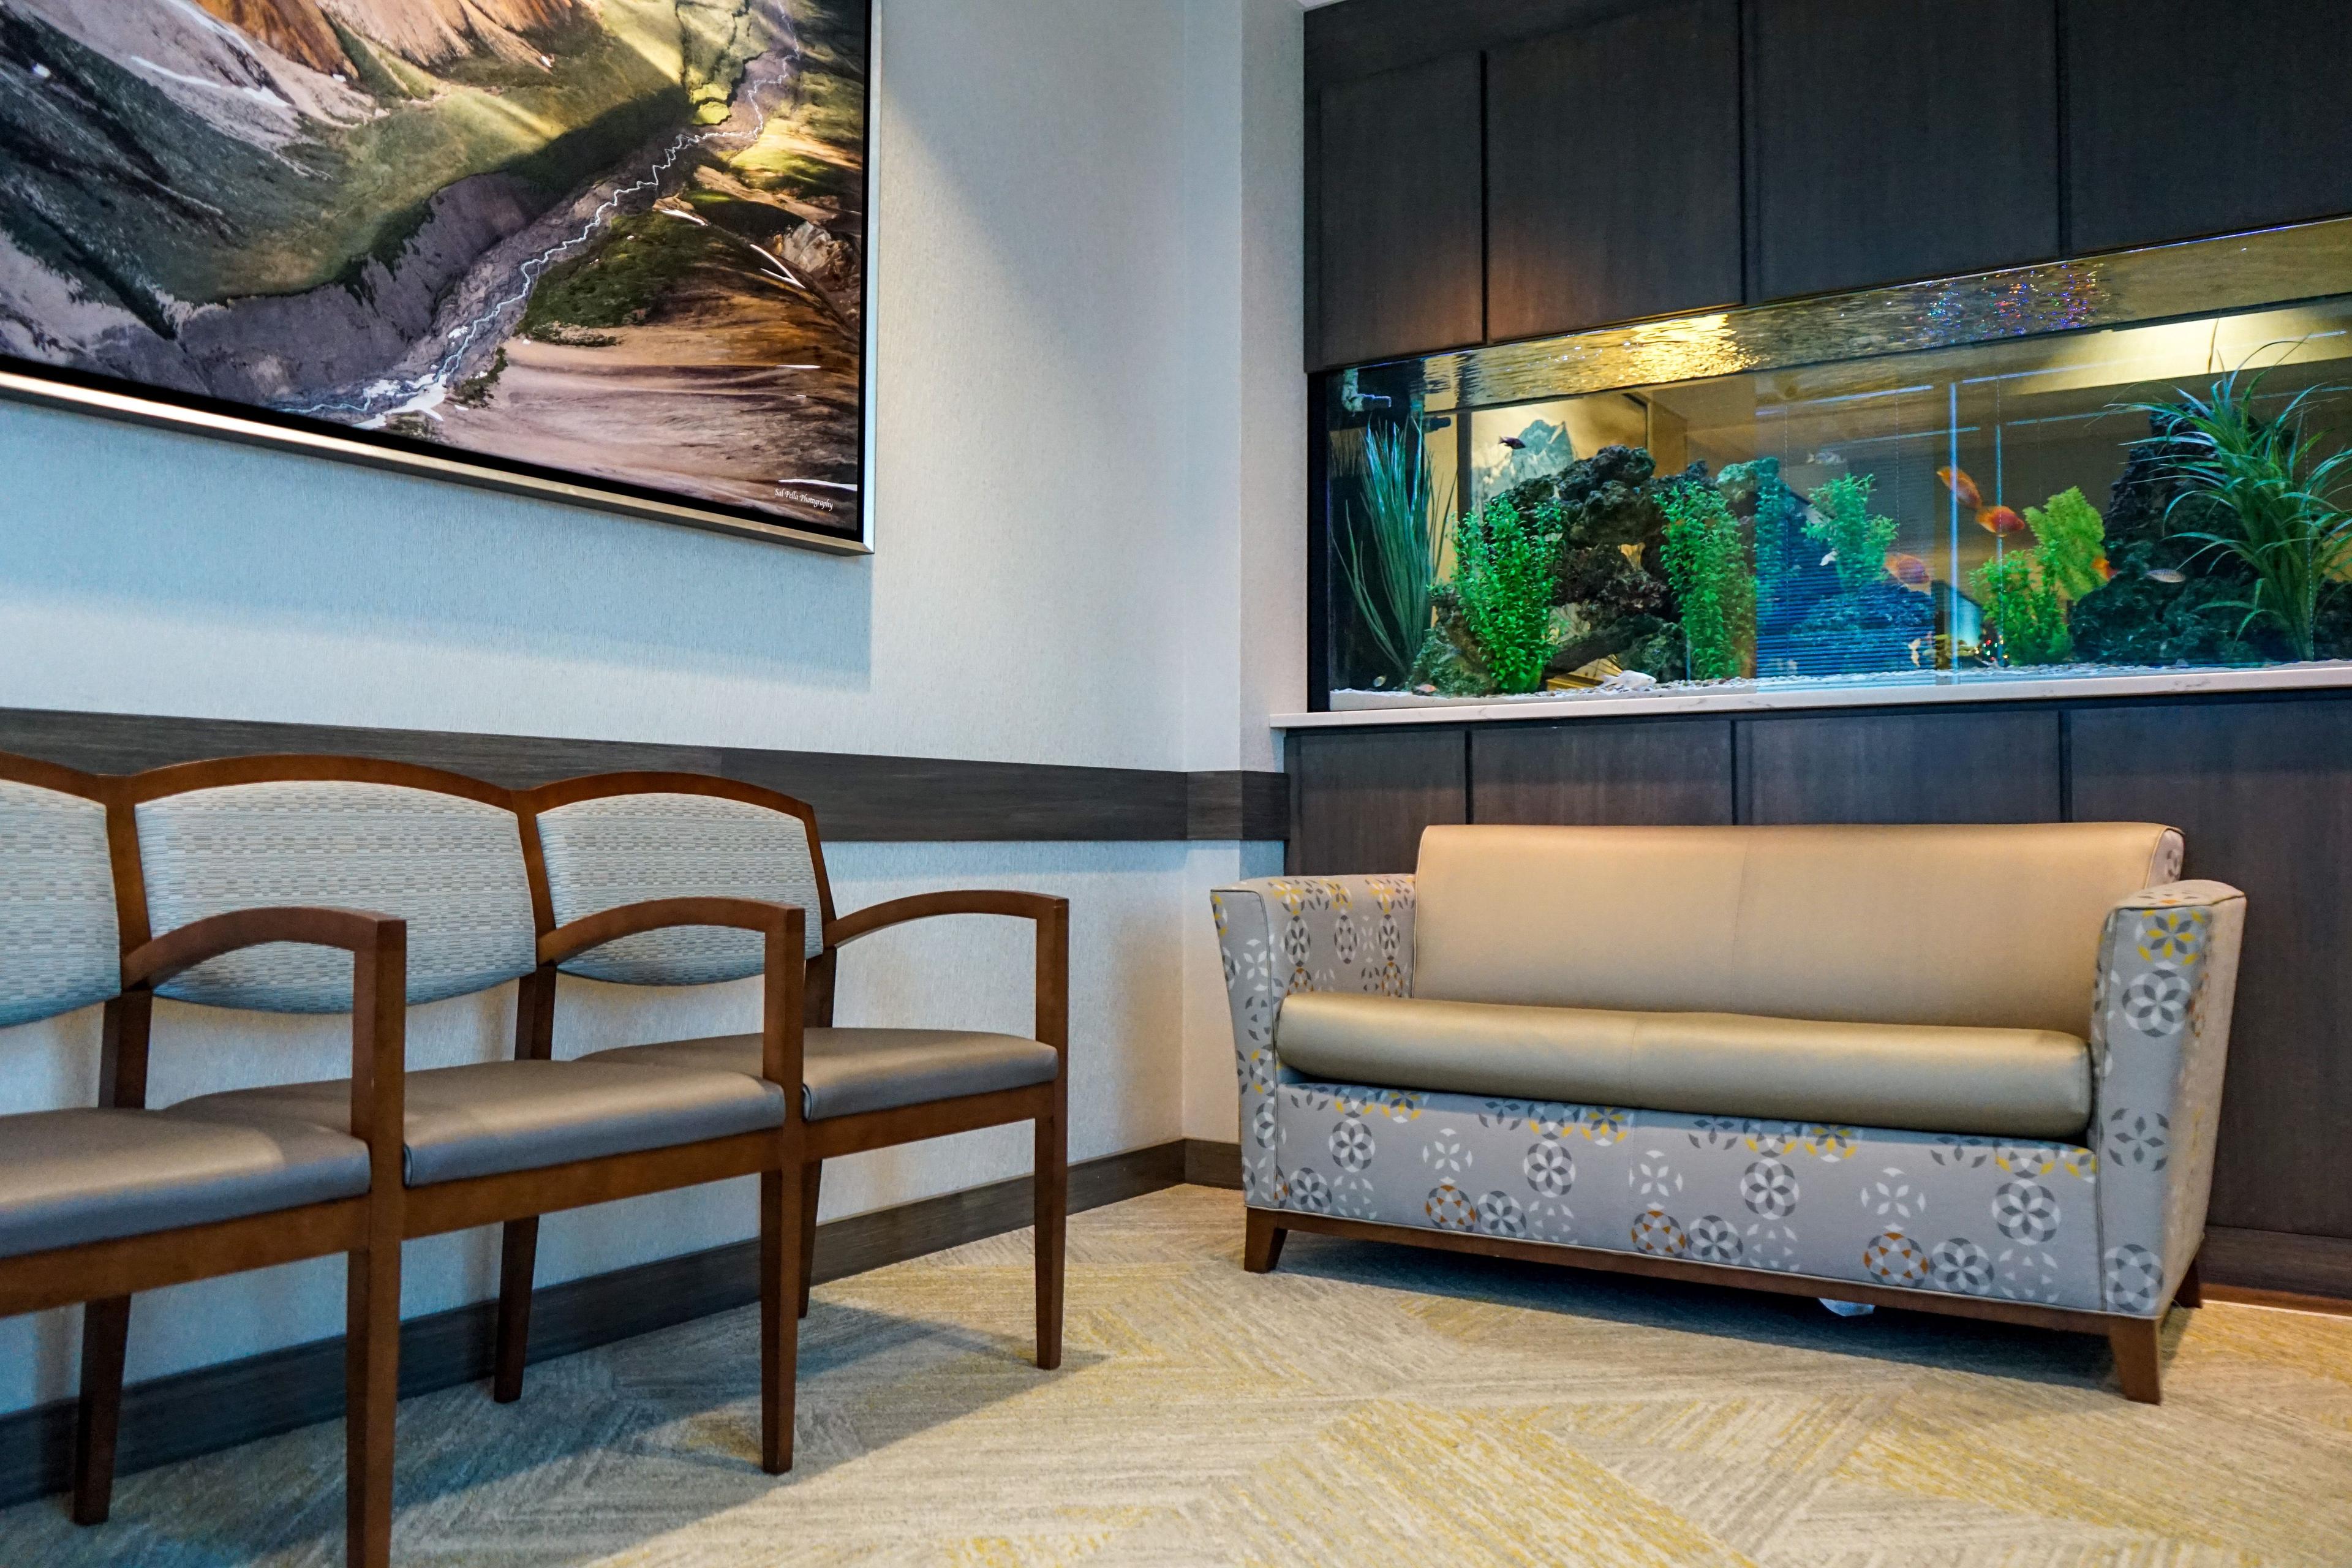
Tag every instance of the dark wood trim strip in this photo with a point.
(216, 1407)
(1211, 1165)
(2277, 1262)
(870, 798)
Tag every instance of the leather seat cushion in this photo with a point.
(2002, 1083)
(494, 1117)
(72, 1176)
(846, 1071)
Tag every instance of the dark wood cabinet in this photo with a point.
(1901, 767)
(1652, 772)
(1612, 172)
(2262, 792)
(1399, 219)
(2185, 117)
(1358, 799)
(1900, 139)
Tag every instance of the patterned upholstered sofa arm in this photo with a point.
(2159, 1037)
(1281, 934)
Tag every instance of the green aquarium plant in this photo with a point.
(1707, 560)
(1857, 539)
(2072, 544)
(1502, 582)
(2024, 614)
(1393, 547)
(2257, 491)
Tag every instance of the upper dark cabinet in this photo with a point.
(2189, 117)
(1613, 170)
(1902, 138)
(1399, 222)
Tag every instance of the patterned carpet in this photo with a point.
(1365, 1405)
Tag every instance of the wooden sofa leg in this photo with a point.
(2192, 1289)
(518, 1260)
(812, 1176)
(780, 1267)
(2139, 1359)
(105, 1332)
(1050, 1185)
(1262, 1242)
(372, 1401)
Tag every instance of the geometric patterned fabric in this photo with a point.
(59, 949)
(625, 849)
(451, 867)
(2107, 1226)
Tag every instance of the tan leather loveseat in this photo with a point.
(1974, 1070)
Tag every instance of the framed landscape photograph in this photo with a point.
(614, 251)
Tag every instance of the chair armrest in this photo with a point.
(356, 932)
(1051, 912)
(785, 969)
(2159, 1040)
(1280, 934)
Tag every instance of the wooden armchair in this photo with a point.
(611, 840)
(98, 1205)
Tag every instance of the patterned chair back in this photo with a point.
(443, 852)
(622, 838)
(60, 946)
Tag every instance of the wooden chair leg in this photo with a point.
(1261, 1241)
(518, 1260)
(372, 1385)
(2139, 1359)
(1050, 1188)
(812, 1176)
(2192, 1289)
(780, 1266)
(105, 1332)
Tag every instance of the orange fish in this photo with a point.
(1907, 570)
(2106, 573)
(1963, 488)
(2001, 521)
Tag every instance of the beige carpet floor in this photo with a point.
(1365, 1405)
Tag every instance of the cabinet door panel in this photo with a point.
(1901, 767)
(1361, 799)
(2185, 117)
(1586, 225)
(1605, 773)
(1893, 140)
(1399, 220)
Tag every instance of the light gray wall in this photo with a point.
(1089, 541)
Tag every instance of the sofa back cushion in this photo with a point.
(58, 948)
(451, 867)
(626, 849)
(1995, 926)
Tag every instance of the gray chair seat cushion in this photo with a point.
(67, 1177)
(1996, 1083)
(846, 1071)
(495, 1117)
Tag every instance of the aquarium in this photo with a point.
(2134, 464)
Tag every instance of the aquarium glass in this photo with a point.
(2086, 500)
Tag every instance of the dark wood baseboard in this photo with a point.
(2276, 1263)
(216, 1407)
(872, 798)
(1212, 1165)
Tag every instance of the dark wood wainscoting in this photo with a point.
(2260, 785)
(905, 799)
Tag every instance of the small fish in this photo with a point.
(2105, 573)
(2001, 521)
(2167, 574)
(1830, 557)
(1515, 444)
(1963, 488)
(1907, 570)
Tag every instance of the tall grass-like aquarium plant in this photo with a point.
(2257, 490)
(1392, 550)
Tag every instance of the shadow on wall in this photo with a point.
(198, 531)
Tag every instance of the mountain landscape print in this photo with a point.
(617, 245)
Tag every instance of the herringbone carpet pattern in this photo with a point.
(1365, 1405)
